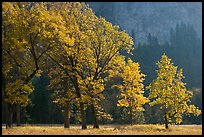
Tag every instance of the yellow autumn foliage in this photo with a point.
(170, 92)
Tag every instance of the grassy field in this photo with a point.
(104, 130)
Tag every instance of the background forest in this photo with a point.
(182, 44)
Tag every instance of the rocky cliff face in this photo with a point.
(156, 18)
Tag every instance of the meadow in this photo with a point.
(146, 129)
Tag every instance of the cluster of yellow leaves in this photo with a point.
(92, 90)
(169, 91)
(6, 68)
(118, 63)
(63, 97)
(102, 114)
(132, 89)
(17, 92)
(63, 89)
(38, 73)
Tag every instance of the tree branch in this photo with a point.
(62, 68)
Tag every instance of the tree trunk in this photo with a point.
(166, 122)
(83, 116)
(18, 116)
(95, 120)
(9, 115)
(67, 117)
(81, 104)
(67, 109)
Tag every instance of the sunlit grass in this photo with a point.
(146, 129)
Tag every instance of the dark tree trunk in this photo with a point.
(10, 108)
(67, 109)
(67, 117)
(18, 116)
(166, 122)
(83, 116)
(95, 120)
(81, 104)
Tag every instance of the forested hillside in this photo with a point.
(150, 17)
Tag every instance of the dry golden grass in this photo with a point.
(147, 129)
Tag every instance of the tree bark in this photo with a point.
(81, 104)
(67, 109)
(67, 117)
(95, 120)
(83, 116)
(18, 116)
(10, 108)
(166, 122)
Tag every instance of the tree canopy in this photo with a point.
(169, 92)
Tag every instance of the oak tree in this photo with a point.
(132, 89)
(29, 30)
(86, 60)
(170, 93)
